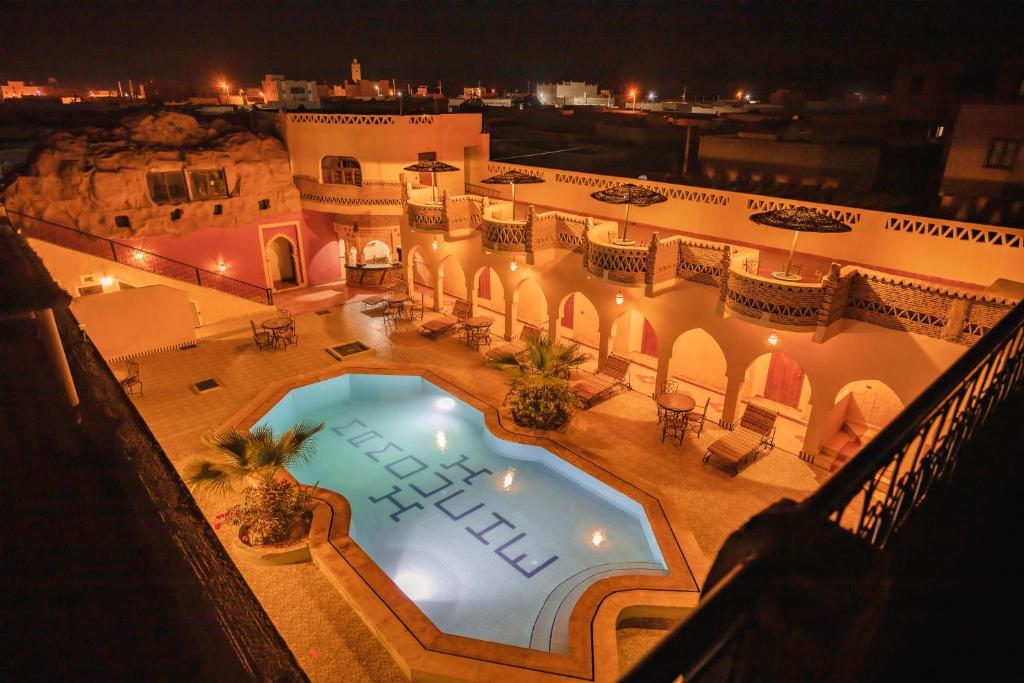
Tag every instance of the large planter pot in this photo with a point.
(293, 551)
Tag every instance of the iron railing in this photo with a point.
(872, 496)
(127, 255)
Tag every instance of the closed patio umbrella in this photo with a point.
(513, 178)
(798, 219)
(630, 195)
(433, 167)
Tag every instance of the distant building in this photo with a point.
(290, 94)
(571, 93)
(17, 89)
(357, 71)
(764, 158)
(984, 176)
(365, 89)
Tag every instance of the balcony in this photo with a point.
(371, 194)
(605, 257)
(500, 232)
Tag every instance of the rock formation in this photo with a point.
(88, 178)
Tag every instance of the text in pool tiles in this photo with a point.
(443, 486)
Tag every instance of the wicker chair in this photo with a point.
(754, 434)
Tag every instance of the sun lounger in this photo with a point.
(527, 335)
(754, 434)
(375, 300)
(435, 327)
(614, 375)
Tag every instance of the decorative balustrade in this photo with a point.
(625, 264)
(370, 193)
(845, 292)
(500, 233)
(784, 303)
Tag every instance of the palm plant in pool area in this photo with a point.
(540, 396)
(272, 510)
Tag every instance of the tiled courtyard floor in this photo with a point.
(621, 433)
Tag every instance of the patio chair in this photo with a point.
(446, 323)
(669, 386)
(261, 337)
(392, 314)
(286, 337)
(284, 313)
(750, 265)
(416, 310)
(132, 383)
(674, 425)
(614, 375)
(695, 421)
(754, 434)
(527, 335)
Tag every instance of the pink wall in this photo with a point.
(239, 247)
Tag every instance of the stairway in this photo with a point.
(127, 255)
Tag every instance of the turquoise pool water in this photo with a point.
(491, 539)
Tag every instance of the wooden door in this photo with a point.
(567, 312)
(785, 380)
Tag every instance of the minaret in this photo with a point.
(357, 71)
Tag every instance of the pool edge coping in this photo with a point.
(418, 646)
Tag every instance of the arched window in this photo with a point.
(341, 171)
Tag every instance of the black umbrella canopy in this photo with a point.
(801, 219)
(432, 166)
(628, 193)
(798, 219)
(512, 177)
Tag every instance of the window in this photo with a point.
(1002, 153)
(167, 187)
(341, 171)
(209, 184)
(297, 91)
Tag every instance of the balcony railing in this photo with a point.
(370, 193)
(872, 497)
(814, 305)
(127, 255)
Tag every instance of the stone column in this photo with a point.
(730, 407)
(812, 437)
(605, 337)
(664, 358)
(474, 295)
(439, 289)
(554, 319)
(511, 313)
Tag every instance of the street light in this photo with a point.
(632, 94)
(650, 96)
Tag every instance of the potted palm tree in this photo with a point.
(539, 395)
(275, 513)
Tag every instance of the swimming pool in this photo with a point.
(490, 539)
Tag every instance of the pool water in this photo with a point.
(491, 539)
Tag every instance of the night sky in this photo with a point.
(712, 48)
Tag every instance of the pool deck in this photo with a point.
(701, 503)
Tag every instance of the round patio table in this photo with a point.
(475, 328)
(677, 402)
(276, 324)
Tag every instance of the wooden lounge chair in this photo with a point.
(435, 327)
(527, 335)
(614, 375)
(754, 434)
(375, 300)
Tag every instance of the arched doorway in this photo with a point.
(376, 251)
(861, 409)
(698, 366)
(531, 305)
(776, 381)
(282, 263)
(579, 320)
(633, 337)
(490, 295)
